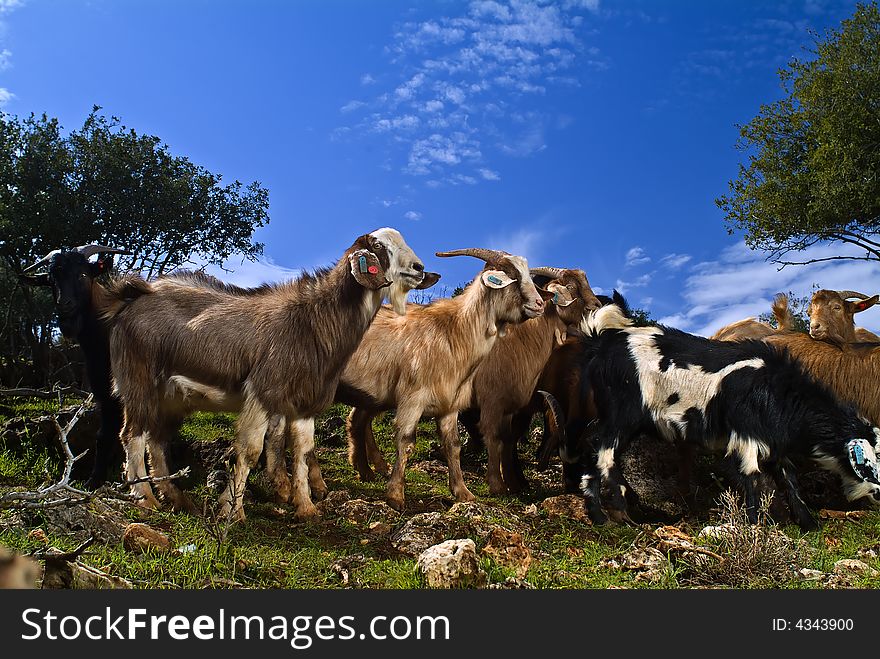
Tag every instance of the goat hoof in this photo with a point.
(307, 514)
(186, 505)
(367, 476)
(397, 504)
(319, 494)
(497, 489)
(464, 495)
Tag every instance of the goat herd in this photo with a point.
(517, 341)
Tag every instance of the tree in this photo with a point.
(813, 169)
(107, 184)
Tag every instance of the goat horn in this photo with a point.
(544, 271)
(89, 250)
(848, 294)
(43, 260)
(487, 255)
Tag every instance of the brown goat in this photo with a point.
(831, 316)
(278, 351)
(504, 381)
(422, 363)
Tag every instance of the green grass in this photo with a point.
(270, 550)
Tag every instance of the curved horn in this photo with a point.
(487, 255)
(544, 271)
(43, 260)
(89, 250)
(848, 294)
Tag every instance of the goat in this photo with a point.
(745, 398)
(277, 351)
(505, 379)
(831, 316)
(423, 363)
(73, 280)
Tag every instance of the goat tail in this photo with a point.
(109, 300)
(782, 313)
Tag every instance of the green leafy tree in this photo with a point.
(107, 184)
(813, 169)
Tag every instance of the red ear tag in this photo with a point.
(373, 270)
(861, 306)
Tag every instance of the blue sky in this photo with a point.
(578, 133)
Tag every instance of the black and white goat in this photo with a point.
(745, 399)
(71, 276)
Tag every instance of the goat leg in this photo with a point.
(303, 433)
(405, 423)
(252, 424)
(448, 426)
(134, 442)
(358, 425)
(277, 441)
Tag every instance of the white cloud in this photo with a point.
(522, 242)
(351, 106)
(415, 216)
(5, 96)
(367, 79)
(407, 122)
(640, 282)
(9, 5)
(437, 151)
(489, 175)
(674, 261)
(252, 273)
(636, 256)
(741, 284)
(464, 71)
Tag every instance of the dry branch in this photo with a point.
(63, 493)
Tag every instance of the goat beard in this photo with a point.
(397, 293)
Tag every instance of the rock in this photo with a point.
(651, 564)
(512, 583)
(17, 571)
(810, 575)
(852, 567)
(452, 564)
(644, 559)
(508, 550)
(359, 511)
(570, 506)
(380, 529)
(61, 573)
(825, 513)
(871, 552)
(139, 538)
(472, 516)
(531, 510)
(103, 521)
(333, 501)
(420, 532)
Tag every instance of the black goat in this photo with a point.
(71, 277)
(745, 399)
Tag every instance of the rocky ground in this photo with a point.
(540, 539)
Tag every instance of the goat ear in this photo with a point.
(430, 279)
(562, 297)
(496, 279)
(34, 280)
(367, 270)
(865, 304)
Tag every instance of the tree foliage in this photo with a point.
(813, 169)
(108, 184)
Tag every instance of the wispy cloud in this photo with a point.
(6, 6)
(674, 261)
(5, 96)
(741, 283)
(451, 109)
(623, 287)
(636, 256)
(9, 5)
(252, 273)
(415, 216)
